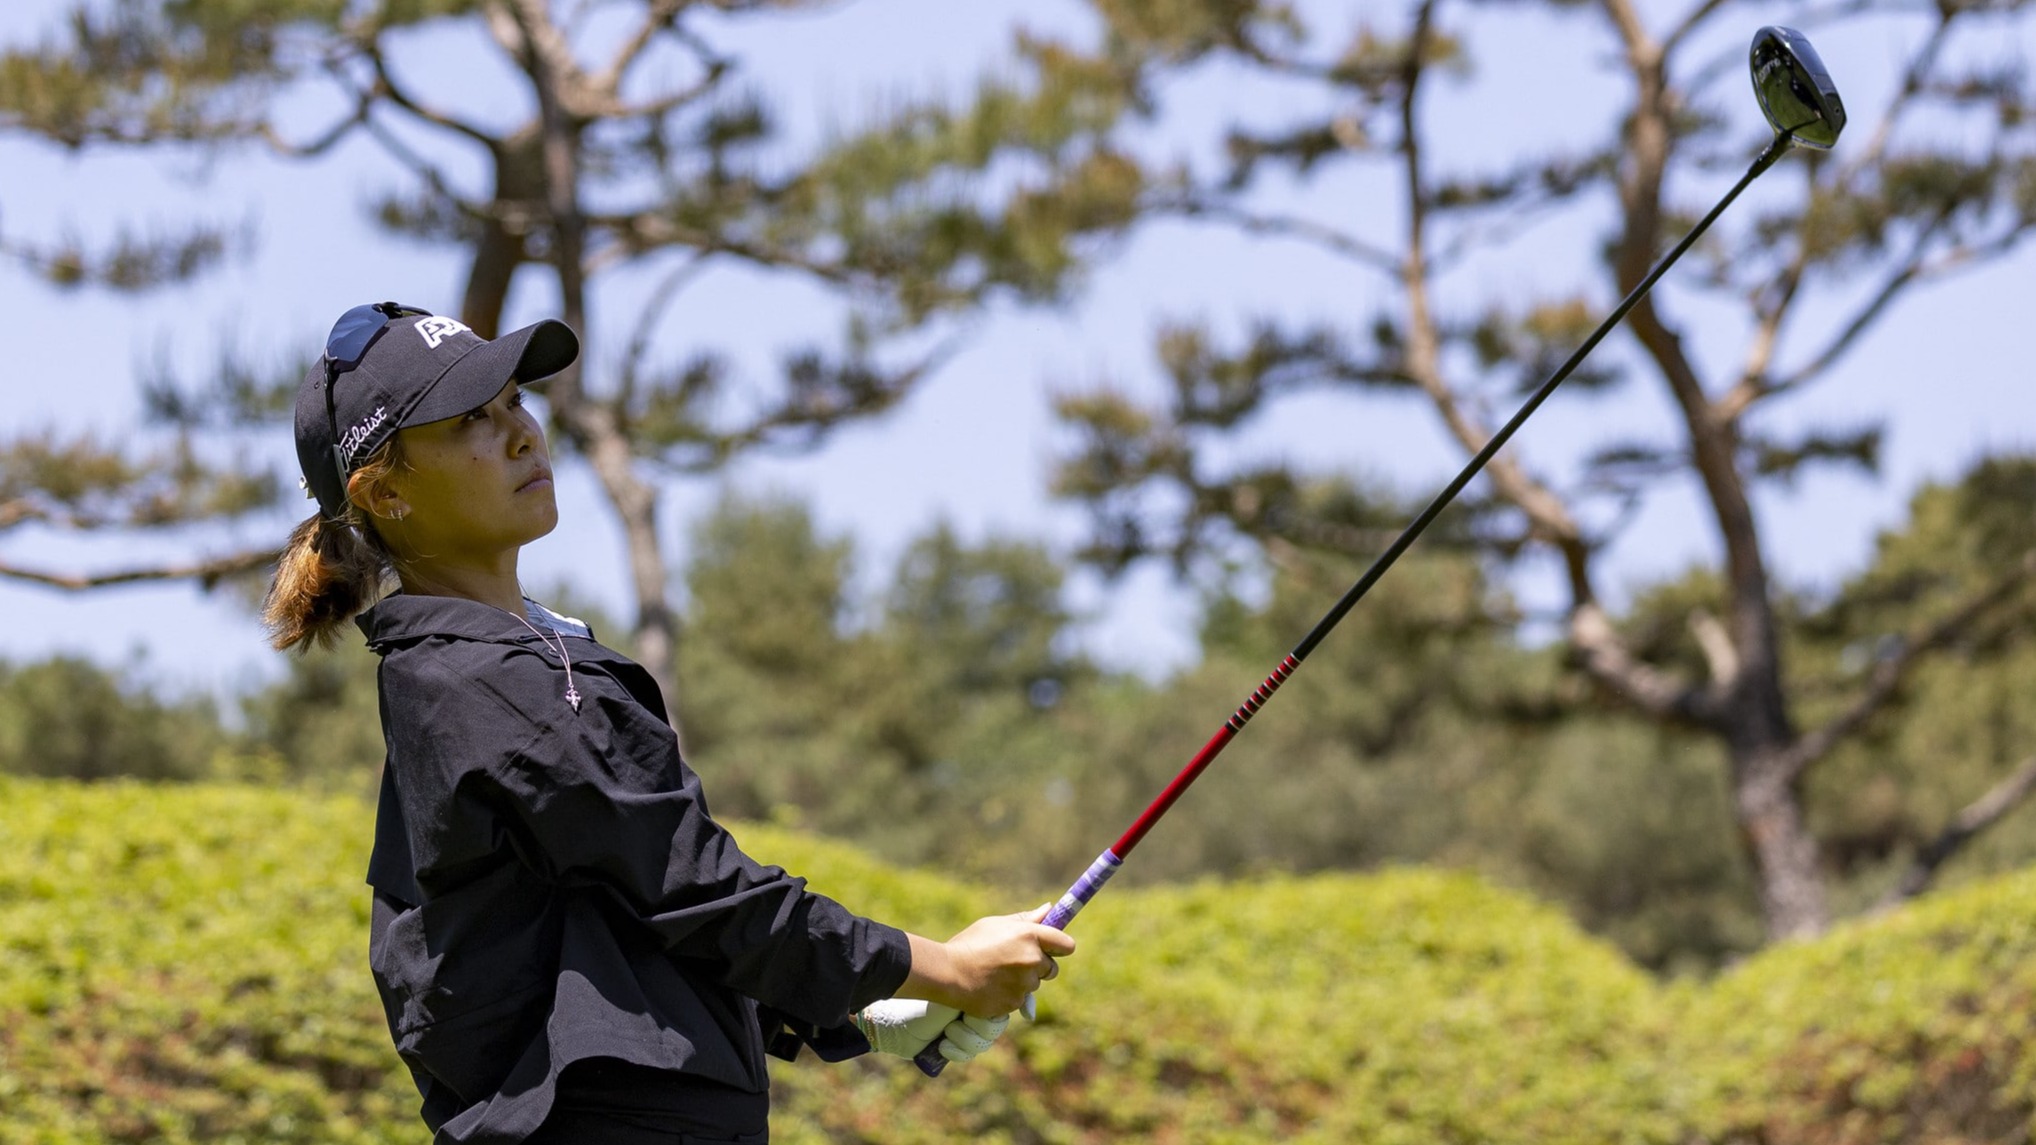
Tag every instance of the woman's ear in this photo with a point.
(379, 499)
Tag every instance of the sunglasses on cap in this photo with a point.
(351, 338)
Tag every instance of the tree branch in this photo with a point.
(1889, 675)
(20, 511)
(715, 69)
(1285, 226)
(662, 17)
(639, 233)
(1654, 692)
(1753, 383)
(680, 277)
(1977, 816)
(1716, 645)
(1600, 650)
(1483, 236)
(1544, 508)
(544, 47)
(363, 104)
(1911, 269)
(207, 573)
(657, 19)
(802, 426)
(385, 84)
(433, 176)
(1632, 32)
(1913, 78)
(1690, 24)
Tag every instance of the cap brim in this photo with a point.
(527, 355)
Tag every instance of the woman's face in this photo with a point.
(473, 486)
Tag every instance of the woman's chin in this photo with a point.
(543, 520)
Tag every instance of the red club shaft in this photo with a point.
(1205, 757)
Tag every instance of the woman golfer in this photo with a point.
(568, 947)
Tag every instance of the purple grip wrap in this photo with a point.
(1063, 912)
(1085, 888)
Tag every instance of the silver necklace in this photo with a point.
(572, 693)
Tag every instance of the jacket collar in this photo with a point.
(403, 617)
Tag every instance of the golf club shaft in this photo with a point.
(1092, 880)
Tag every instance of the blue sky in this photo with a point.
(974, 446)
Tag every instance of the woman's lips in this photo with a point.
(542, 480)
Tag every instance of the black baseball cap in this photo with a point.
(387, 366)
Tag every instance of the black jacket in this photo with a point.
(549, 885)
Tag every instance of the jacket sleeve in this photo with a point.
(600, 798)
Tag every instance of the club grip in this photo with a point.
(929, 1060)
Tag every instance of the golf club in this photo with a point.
(1801, 104)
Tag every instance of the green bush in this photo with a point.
(186, 964)
(1913, 1027)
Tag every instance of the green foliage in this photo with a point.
(1181, 30)
(911, 726)
(945, 729)
(1912, 1027)
(184, 964)
(1630, 827)
(870, 189)
(131, 262)
(764, 587)
(67, 717)
(83, 483)
(943, 721)
(1404, 1007)
(319, 726)
(984, 619)
(1962, 719)
(134, 71)
(763, 666)
(1420, 732)
(666, 160)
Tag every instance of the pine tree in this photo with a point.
(1934, 183)
(646, 151)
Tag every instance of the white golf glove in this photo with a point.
(904, 1026)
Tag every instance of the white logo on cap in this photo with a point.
(359, 433)
(437, 329)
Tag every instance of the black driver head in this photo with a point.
(1795, 91)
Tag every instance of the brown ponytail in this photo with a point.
(331, 570)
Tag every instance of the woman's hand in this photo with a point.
(989, 968)
(905, 1026)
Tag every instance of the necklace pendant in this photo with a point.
(573, 697)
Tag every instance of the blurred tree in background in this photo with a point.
(1719, 762)
(917, 724)
(69, 718)
(644, 152)
(1936, 182)
(940, 720)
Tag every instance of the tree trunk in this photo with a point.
(1770, 811)
(500, 249)
(1753, 718)
(594, 428)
